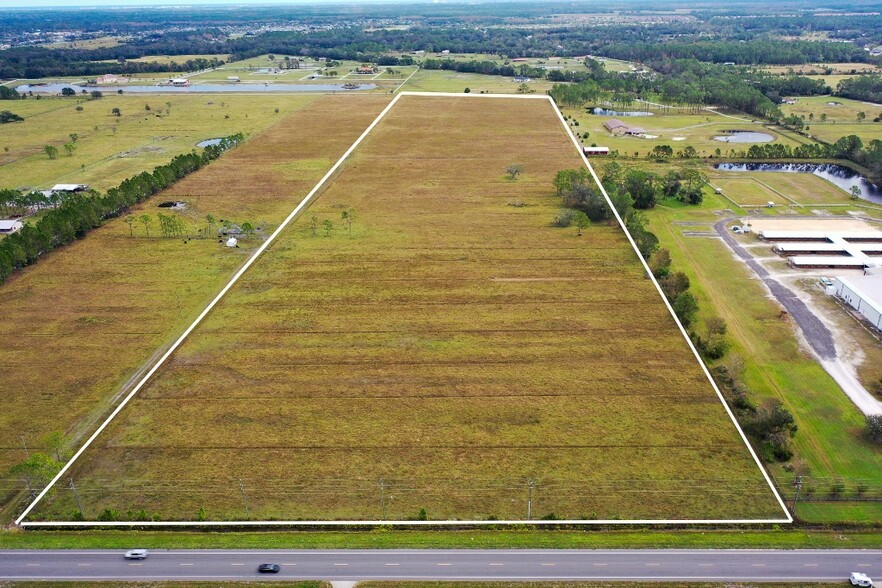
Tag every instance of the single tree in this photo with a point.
(147, 107)
(823, 117)
(313, 224)
(514, 170)
(855, 192)
(328, 226)
(116, 112)
(51, 151)
(73, 137)
(247, 229)
(130, 220)
(874, 427)
(69, 149)
(861, 116)
(211, 223)
(348, 217)
(581, 220)
(467, 91)
(145, 220)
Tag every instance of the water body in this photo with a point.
(745, 137)
(608, 112)
(208, 142)
(55, 88)
(838, 175)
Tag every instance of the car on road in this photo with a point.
(826, 281)
(136, 554)
(859, 579)
(269, 568)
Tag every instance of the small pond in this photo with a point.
(744, 137)
(208, 142)
(839, 175)
(55, 88)
(608, 112)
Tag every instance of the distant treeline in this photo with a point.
(80, 213)
(671, 40)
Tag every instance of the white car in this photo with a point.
(136, 554)
(859, 579)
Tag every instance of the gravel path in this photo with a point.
(818, 335)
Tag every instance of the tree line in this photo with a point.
(80, 213)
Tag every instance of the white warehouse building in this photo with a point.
(864, 294)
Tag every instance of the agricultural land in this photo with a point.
(448, 354)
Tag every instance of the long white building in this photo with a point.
(864, 294)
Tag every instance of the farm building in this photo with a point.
(7, 227)
(595, 150)
(178, 82)
(617, 127)
(826, 262)
(366, 69)
(827, 249)
(108, 79)
(69, 188)
(864, 294)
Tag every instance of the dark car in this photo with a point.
(268, 568)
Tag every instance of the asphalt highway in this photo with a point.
(351, 565)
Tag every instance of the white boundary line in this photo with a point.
(253, 258)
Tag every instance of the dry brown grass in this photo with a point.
(453, 349)
(80, 323)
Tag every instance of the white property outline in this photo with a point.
(294, 213)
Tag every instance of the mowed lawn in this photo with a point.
(88, 316)
(758, 188)
(454, 351)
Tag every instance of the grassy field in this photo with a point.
(384, 538)
(820, 68)
(98, 309)
(697, 130)
(110, 148)
(758, 188)
(841, 117)
(830, 444)
(450, 351)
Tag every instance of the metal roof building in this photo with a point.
(864, 294)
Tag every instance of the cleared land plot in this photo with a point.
(753, 188)
(450, 351)
(841, 117)
(438, 80)
(88, 316)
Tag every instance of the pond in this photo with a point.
(55, 88)
(608, 112)
(208, 142)
(838, 175)
(744, 137)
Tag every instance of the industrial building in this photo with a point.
(828, 249)
(864, 294)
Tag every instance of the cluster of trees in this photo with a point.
(867, 88)
(7, 93)
(7, 116)
(756, 51)
(15, 203)
(80, 213)
(484, 67)
(770, 426)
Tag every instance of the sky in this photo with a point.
(105, 3)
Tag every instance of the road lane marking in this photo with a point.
(136, 564)
(186, 564)
(237, 564)
(444, 564)
(705, 565)
(652, 564)
(600, 564)
(757, 565)
(810, 565)
(549, 564)
(33, 565)
(84, 564)
(495, 564)
(341, 564)
(393, 564)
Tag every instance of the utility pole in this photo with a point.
(530, 500)
(244, 498)
(383, 496)
(76, 496)
(24, 444)
(798, 484)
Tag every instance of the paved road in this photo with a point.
(349, 565)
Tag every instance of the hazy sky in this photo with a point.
(78, 3)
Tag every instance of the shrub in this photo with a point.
(564, 217)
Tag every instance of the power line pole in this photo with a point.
(24, 444)
(76, 497)
(244, 497)
(798, 484)
(530, 500)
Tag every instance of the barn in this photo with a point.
(864, 294)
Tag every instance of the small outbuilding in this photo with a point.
(232, 242)
(7, 227)
(69, 188)
(595, 150)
